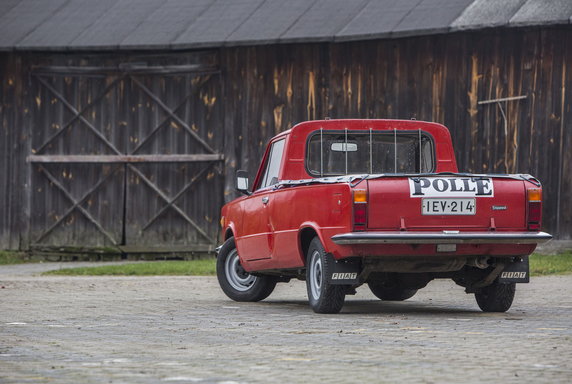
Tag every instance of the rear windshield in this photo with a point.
(334, 153)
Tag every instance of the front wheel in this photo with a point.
(323, 296)
(496, 297)
(235, 282)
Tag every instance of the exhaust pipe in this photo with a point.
(481, 262)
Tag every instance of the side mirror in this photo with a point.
(242, 182)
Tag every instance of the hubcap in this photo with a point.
(316, 275)
(236, 276)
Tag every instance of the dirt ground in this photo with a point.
(184, 330)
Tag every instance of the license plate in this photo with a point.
(448, 207)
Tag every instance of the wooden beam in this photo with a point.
(124, 159)
(190, 248)
(129, 68)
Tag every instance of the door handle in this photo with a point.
(265, 200)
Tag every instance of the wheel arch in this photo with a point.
(228, 233)
(307, 233)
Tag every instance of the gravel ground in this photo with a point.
(184, 330)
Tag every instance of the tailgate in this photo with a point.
(441, 203)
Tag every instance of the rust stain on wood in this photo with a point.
(276, 79)
(278, 118)
(289, 92)
(311, 96)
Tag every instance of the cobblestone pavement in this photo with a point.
(184, 330)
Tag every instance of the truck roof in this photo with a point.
(436, 129)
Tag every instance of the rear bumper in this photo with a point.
(445, 237)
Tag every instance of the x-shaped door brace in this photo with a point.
(78, 115)
(76, 204)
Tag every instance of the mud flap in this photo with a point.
(516, 272)
(345, 272)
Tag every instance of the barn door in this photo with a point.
(126, 157)
(175, 202)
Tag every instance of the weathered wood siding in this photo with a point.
(14, 146)
(107, 160)
(436, 78)
(259, 92)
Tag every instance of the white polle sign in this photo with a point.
(451, 187)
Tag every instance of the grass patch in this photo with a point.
(205, 267)
(540, 265)
(551, 264)
(8, 257)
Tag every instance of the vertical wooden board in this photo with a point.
(369, 93)
(395, 74)
(14, 137)
(439, 64)
(6, 164)
(529, 44)
(423, 93)
(564, 211)
(559, 121)
(7, 121)
(410, 78)
(547, 130)
(382, 67)
(231, 93)
(337, 68)
(458, 64)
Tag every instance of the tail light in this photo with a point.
(534, 209)
(360, 209)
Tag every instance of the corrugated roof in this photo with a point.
(180, 24)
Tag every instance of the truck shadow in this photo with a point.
(405, 307)
(364, 307)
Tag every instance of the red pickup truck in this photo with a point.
(342, 203)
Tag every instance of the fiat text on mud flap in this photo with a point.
(343, 203)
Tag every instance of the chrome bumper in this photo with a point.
(445, 237)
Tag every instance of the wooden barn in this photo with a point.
(123, 121)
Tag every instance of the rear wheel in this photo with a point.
(496, 297)
(390, 292)
(235, 282)
(323, 296)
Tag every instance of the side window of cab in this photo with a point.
(272, 168)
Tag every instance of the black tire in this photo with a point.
(235, 282)
(323, 296)
(390, 293)
(496, 297)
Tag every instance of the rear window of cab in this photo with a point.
(336, 153)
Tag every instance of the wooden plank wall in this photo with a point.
(14, 146)
(268, 89)
(436, 78)
(116, 206)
